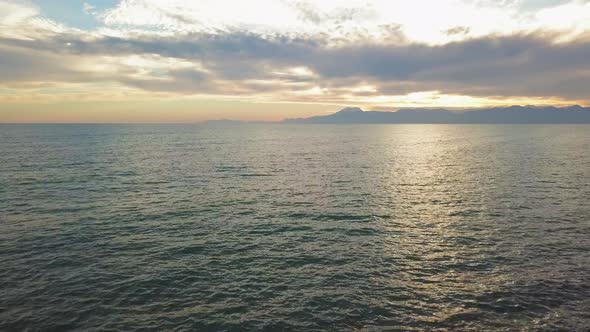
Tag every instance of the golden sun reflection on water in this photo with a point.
(438, 189)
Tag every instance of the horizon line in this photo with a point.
(286, 119)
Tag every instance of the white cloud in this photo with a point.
(13, 13)
(420, 20)
(571, 18)
(22, 20)
(200, 14)
(88, 8)
(135, 66)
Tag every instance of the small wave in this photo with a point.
(336, 217)
(465, 213)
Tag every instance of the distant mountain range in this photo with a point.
(513, 114)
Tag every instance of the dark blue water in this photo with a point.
(295, 227)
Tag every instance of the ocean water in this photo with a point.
(295, 227)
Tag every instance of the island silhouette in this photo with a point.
(496, 115)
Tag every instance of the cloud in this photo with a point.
(89, 9)
(245, 63)
(458, 31)
(424, 21)
(173, 48)
(14, 13)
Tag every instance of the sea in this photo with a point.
(287, 227)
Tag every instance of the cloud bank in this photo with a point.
(375, 53)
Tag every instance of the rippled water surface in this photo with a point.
(295, 227)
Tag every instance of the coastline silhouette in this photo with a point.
(496, 115)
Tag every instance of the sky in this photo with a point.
(266, 60)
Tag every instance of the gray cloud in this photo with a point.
(458, 31)
(518, 65)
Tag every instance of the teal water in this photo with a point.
(294, 227)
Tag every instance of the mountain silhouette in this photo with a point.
(512, 114)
